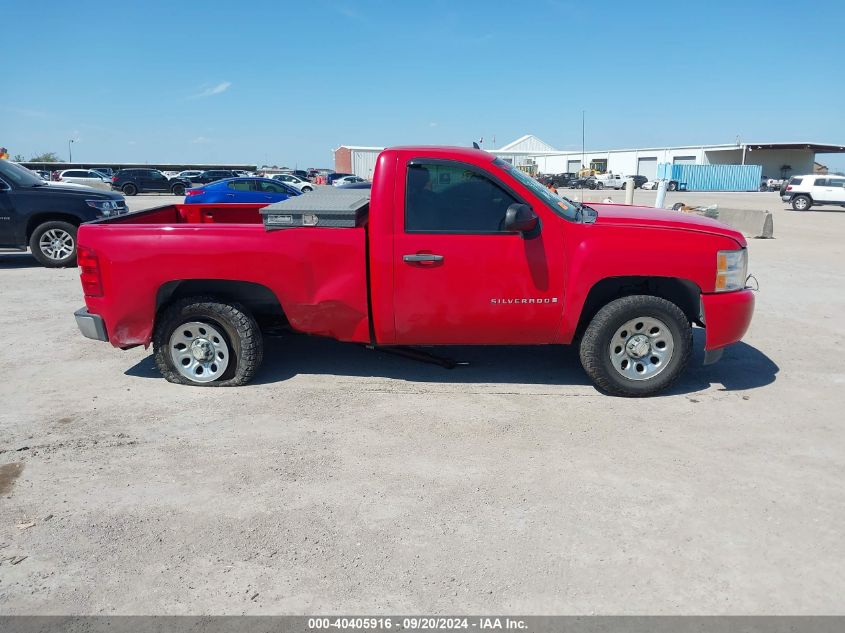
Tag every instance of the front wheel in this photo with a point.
(53, 244)
(178, 190)
(636, 346)
(599, 185)
(200, 341)
(672, 186)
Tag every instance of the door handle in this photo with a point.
(230, 195)
(422, 257)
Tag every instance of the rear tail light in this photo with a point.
(789, 187)
(89, 265)
(194, 192)
(114, 178)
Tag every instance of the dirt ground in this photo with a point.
(349, 481)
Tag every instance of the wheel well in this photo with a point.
(684, 294)
(41, 218)
(258, 299)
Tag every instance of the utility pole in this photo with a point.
(69, 151)
(583, 145)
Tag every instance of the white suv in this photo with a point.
(814, 190)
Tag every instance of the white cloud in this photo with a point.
(222, 87)
(432, 124)
(201, 140)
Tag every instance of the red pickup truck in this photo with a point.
(457, 248)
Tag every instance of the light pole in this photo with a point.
(583, 150)
(69, 151)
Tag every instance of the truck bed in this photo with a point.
(317, 275)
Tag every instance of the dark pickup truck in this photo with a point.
(45, 216)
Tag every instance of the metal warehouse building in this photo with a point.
(535, 156)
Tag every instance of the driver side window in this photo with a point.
(443, 197)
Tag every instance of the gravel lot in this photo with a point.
(346, 480)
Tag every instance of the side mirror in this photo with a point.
(521, 219)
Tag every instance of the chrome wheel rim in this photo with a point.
(199, 351)
(56, 244)
(641, 348)
(801, 204)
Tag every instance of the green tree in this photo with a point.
(46, 157)
(18, 158)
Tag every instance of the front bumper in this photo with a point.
(91, 325)
(727, 316)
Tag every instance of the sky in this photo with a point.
(287, 82)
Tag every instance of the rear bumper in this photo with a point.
(726, 318)
(91, 325)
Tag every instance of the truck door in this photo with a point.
(459, 278)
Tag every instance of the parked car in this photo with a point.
(45, 216)
(212, 175)
(346, 180)
(133, 181)
(188, 174)
(639, 181)
(108, 172)
(473, 252)
(300, 173)
(671, 185)
(295, 181)
(87, 177)
(330, 178)
(608, 181)
(264, 190)
(814, 190)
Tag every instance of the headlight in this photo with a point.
(106, 207)
(731, 270)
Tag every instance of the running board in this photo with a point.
(419, 355)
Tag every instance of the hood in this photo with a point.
(81, 191)
(650, 217)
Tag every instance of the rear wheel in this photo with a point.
(801, 203)
(53, 244)
(599, 185)
(672, 186)
(200, 341)
(306, 189)
(636, 346)
(129, 189)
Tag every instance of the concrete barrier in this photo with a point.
(750, 222)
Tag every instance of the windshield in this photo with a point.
(560, 205)
(21, 176)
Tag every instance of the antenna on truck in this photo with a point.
(475, 145)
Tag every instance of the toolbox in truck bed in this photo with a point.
(325, 207)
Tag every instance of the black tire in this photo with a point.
(595, 345)
(678, 206)
(43, 252)
(246, 345)
(672, 186)
(306, 189)
(129, 189)
(178, 190)
(802, 203)
(599, 185)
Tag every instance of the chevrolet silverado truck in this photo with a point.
(456, 247)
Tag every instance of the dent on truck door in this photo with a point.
(459, 277)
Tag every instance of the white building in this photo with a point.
(536, 156)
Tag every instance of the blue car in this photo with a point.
(241, 190)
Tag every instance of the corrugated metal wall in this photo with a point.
(713, 177)
(364, 162)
